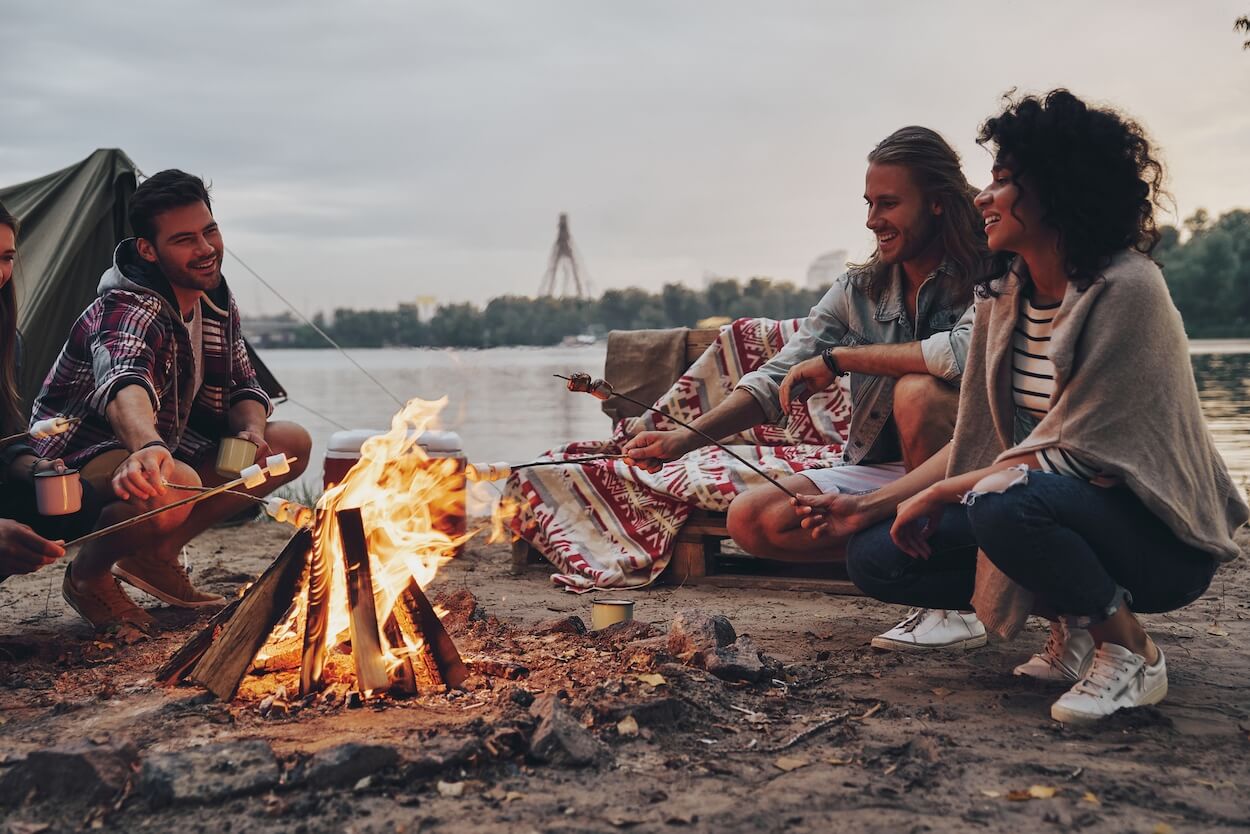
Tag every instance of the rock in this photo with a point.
(572, 624)
(343, 765)
(620, 633)
(694, 635)
(560, 739)
(653, 712)
(740, 661)
(461, 609)
(521, 697)
(82, 770)
(439, 755)
(212, 772)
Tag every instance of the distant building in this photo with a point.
(273, 331)
(826, 268)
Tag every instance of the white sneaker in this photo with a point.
(1067, 656)
(1117, 679)
(933, 628)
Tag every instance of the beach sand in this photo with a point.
(929, 742)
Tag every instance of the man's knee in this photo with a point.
(919, 398)
(169, 520)
(292, 440)
(752, 517)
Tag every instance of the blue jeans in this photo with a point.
(1081, 549)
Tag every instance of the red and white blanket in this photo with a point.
(608, 525)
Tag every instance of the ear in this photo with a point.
(146, 250)
(936, 208)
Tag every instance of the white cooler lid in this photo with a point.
(435, 442)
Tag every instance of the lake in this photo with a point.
(506, 405)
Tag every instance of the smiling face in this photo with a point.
(1013, 215)
(188, 247)
(903, 221)
(8, 253)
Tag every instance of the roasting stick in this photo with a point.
(279, 509)
(498, 471)
(252, 476)
(43, 428)
(602, 389)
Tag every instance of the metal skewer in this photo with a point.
(191, 499)
(603, 386)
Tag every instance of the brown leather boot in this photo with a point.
(165, 579)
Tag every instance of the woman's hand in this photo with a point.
(650, 450)
(832, 515)
(917, 519)
(811, 376)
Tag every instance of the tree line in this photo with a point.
(1206, 263)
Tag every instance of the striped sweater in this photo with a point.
(1033, 385)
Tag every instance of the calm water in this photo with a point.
(506, 406)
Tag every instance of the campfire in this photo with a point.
(346, 597)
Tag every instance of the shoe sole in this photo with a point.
(1067, 716)
(168, 599)
(958, 645)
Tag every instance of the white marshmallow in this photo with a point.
(277, 507)
(488, 471)
(277, 465)
(49, 427)
(253, 476)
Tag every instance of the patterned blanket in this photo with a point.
(607, 525)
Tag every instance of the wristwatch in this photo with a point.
(831, 362)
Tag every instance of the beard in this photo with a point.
(182, 275)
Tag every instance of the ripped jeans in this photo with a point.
(1082, 550)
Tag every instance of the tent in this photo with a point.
(72, 220)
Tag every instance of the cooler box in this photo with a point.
(343, 451)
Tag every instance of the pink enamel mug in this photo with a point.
(58, 493)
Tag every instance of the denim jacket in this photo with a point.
(847, 316)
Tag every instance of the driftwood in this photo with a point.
(371, 671)
(316, 614)
(262, 607)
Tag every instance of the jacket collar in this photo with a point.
(891, 307)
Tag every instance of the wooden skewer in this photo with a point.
(704, 435)
(142, 517)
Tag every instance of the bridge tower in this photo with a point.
(565, 266)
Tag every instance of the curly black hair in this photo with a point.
(1094, 173)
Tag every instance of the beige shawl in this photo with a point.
(1125, 402)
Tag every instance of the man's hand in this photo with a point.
(652, 449)
(22, 550)
(811, 376)
(143, 474)
(831, 515)
(258, 437)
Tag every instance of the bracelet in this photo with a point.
(34, 466)
(831, 362)
(152, 443)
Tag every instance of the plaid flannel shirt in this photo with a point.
(133, 334)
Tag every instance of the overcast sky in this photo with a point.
(363, 153)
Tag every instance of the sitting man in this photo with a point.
(899, 326)
(157, 371)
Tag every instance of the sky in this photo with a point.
(376, 151)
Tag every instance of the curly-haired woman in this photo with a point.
(1081, 459)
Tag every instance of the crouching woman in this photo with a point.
(1081, 466)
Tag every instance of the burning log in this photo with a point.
(226, 660)
(371, 671)
(417, 634)
(178, 666)
(316, 616)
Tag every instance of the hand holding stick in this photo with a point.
(251, 477)
(601, 389)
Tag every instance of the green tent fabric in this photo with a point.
(72, 220)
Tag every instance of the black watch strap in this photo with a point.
(831, 362)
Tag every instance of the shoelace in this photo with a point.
(1053, 651)
(912, 620)
(1103, 674)
(111, 596)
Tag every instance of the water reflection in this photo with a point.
(506, 405)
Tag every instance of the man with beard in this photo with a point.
(157, 372)
(899, 326)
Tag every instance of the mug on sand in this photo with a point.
(234, 454)
(606, 612)
(58, 493)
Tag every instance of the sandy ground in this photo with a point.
(897, 742)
